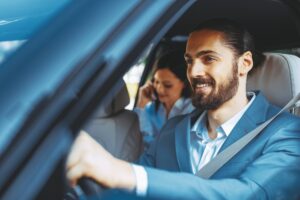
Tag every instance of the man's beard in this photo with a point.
(218, 95)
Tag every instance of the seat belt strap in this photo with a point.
(216, 163)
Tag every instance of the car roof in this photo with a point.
(274, 23)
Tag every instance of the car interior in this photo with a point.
(277, 78)
(275, 26)
(124, 140)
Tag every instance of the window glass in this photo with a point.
(7, 47)
(19, 19)
(132, 79)
(39, 72)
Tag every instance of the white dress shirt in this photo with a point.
(202, 148)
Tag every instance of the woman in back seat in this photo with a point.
(166, 96)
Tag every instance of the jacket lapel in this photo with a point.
(255, 115)
(182, 142)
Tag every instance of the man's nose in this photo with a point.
(197, 69)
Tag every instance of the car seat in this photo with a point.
(116, 128)
(277, 78)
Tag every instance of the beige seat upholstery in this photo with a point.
(278, 78)
(116, 128)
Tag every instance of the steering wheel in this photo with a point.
(86, 187)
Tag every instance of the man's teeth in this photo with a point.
(202, 85)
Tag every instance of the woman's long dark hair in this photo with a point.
(174, 61)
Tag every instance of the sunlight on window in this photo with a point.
(7, 47)
(132, 79)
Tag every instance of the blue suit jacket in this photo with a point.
(267, 168)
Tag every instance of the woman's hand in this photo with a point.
(146, 94)
(89, 159)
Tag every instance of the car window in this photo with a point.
(19, 20)
(55, 80)
(60, 51)
(132, 79)
(133, 76)
(7, 47)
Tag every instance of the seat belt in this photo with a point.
(222, 158)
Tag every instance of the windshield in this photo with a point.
(20, 19)
(54, 52)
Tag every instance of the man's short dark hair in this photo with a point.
(235, 36)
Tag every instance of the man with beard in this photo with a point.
(219, 55)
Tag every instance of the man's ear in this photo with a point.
(245, 63)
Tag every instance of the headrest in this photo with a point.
(278, 78)
(119, 101)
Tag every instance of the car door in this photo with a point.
(53, 82)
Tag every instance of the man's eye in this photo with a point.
(209, 59)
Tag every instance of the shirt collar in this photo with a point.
(200, 125)
(230, 124)
(179, 103)
(181, 106)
